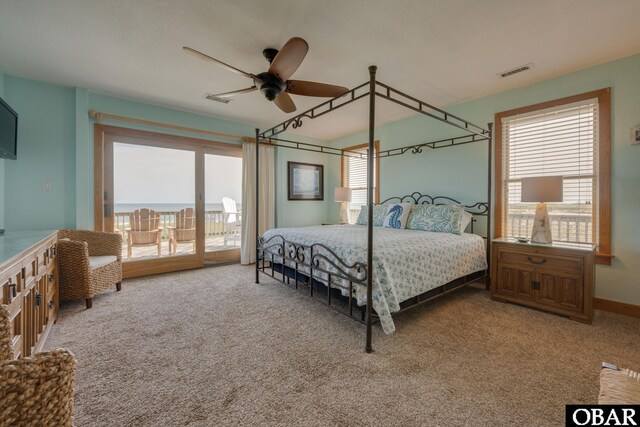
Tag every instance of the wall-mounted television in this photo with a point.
(8, 131)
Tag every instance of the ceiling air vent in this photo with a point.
(516, 70)
(217, 98)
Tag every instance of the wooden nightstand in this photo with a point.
(558, 277)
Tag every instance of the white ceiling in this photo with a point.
(441, 51)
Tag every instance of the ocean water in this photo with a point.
(165, 207)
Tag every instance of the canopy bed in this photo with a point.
(343, 264)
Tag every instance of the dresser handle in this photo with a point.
(50, 304)
(532, 261)
(14, 292)
(51, 277)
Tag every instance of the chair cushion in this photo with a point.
(100, 261)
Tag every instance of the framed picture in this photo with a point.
(635, 136)
(306, 181)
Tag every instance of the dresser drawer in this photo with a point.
(11, 284)
(532, 259)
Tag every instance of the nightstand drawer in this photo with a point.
(558, 278)
(532, 259)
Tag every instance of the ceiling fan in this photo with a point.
(274, 83)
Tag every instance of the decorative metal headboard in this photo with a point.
(477, 209)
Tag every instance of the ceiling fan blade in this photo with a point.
(285, 103)
(289, 58)
(222, 64)
(235, 92)
(301, 87)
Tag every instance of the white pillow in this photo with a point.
(397, 215)
(466, 220)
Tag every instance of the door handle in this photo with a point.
(107, 211)
(532, 261)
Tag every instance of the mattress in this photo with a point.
(406, 263)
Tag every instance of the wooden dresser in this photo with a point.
(29, 286)
(557, 277)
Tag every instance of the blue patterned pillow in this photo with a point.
(379, 211)
(441, 219)
(397, 215)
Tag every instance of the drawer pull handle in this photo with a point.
(51, 277)
(14, 290)
(532, 261)
(38, 299)
(50, 304)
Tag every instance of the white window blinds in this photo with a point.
(354, 176)
(562, 141)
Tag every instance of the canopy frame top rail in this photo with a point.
(473, 132)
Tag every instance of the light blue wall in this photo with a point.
(56, 144)
(84, 161)
(46, 152)
(461, 171)
(1, 165)
(299, 213)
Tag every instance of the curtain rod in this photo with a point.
(98, 115)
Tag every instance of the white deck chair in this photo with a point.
(232, 219)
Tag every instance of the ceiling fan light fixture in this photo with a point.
(270, 91)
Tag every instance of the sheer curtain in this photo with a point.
(267, 196)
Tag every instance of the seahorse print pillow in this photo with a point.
(397, 215)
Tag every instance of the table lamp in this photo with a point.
(343, 195)
(541, 190)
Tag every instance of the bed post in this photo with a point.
(487, 283)
(370, 161)
(257, 203)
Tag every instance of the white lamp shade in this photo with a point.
(541, 189)
(342, 194)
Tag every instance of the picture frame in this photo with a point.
(305, 181)
(635, 136)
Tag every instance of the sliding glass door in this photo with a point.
(223, 207)
(154, 200)
(176, 201)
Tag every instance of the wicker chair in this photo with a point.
(184, 231)
(144, 230)
(90, 262)
(34, 391)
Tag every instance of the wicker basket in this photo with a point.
(34, 391)
(619, 386)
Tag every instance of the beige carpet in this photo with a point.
(209, 347)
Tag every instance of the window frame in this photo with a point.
(603, 249)
(376, 177)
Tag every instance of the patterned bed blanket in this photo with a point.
(406, 263)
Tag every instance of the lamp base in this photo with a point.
(541, 225)
(344, 212)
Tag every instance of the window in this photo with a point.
(354, 176)
(569, 137)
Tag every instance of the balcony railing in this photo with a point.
(566, 227)
(214, 223)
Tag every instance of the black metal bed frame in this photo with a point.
(319, 257)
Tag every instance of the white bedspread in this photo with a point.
(406, 263)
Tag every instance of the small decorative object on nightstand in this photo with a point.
(557, 277)
(343, 195)
(540, 190)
